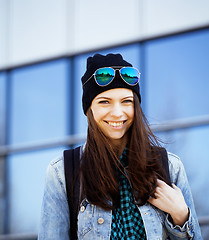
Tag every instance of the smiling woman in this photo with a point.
(125, 192)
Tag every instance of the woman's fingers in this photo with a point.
(170, 200)
(175, 187)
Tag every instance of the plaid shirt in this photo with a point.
(127, 222)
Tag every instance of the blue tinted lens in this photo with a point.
(104, 76)
(130, 75)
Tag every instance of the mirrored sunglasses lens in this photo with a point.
(104, 76)
(130, 75)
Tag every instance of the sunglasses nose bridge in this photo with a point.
(117, 71)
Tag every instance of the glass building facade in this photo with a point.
(41, 102)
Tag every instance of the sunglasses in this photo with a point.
(104, 76)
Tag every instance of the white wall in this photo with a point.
(4, 44)
(34, 29)
(102, 23)
(37, 29)
(164, 16)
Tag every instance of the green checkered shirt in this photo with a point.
(127, 222)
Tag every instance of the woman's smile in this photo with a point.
(116, 125)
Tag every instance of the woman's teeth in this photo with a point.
(115, 124)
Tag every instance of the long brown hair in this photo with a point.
(100, 161)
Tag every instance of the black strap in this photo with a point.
(71, 166)
(164, 159)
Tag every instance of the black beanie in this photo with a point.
(91, 89)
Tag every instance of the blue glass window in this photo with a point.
(26, 184)
(191, 145)
(39, 104)
(3, 79)
(176, 72)
(2, 106)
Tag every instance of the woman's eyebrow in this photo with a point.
(128, 97)
(103, 98)
(111, 98)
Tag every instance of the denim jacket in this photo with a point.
(95, 223)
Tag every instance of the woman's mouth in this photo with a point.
(115, 124)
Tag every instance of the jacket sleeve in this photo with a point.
(54, 223)
(191, 229)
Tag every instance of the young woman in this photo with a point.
(124, 188)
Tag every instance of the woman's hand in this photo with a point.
(170, 200)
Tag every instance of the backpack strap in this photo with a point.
(71, 167)
(164, 159)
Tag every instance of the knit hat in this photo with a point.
(91, 89)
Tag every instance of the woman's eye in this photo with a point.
(103, 102)
(128, 101)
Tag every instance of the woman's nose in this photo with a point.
(116, 111)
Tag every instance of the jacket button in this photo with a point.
(82, 209)
(100, 220)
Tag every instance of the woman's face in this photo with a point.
(113, 111)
